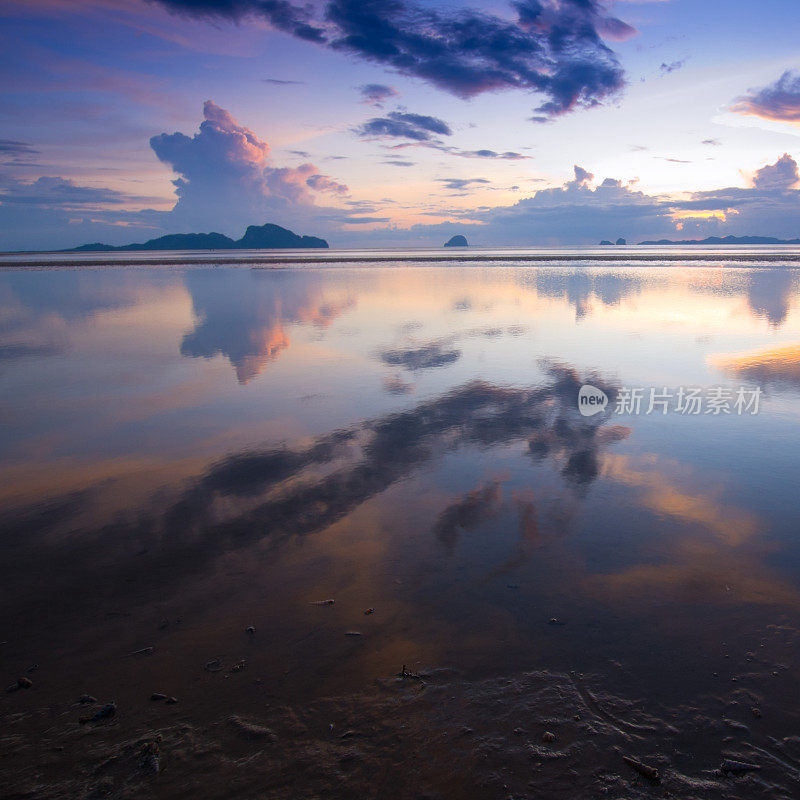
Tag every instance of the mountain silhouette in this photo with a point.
(256, 237)
(728, 240)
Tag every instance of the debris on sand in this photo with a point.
(250, 630)
(756, 712)
(87, 699)
(150, 759)
(555, 621)
(651, 773)
(171, 701)
(548, 737)
(215, 665)
(144, 651)
(238, 666)
(250, 730)
(156, 696)
(323, 602)
(731, 767)
(404, 674)
(369, 611)
(352, 633)
(108, 710)
(22, 683)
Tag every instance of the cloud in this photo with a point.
(322, 183)
(712, 142)
(553, 48)
(507, 156)
(779, 101)
(672, 66)
(225, 180)
(397, 163)
(783, 174)
(226, 176)
(584, 211)
(376, 93)
(461, 183)
(401, 125)
(281, 82)
(281, 14)
(55, 192)
(15, 148)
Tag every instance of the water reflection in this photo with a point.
(244, 314)
(580, 288)
(774, 367)
(39, 311)
(437, 448)
(769, 294)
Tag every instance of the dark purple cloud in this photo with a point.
(16, 148)
(282, 82)
(551, 47)
(400, 125)
(375, 94)
(779, 101)
(456, 184)
(508, 155)
(56, 192)
(280, 14)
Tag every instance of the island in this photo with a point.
(457, 241)
(256, 237)
(619, 241)
(728, 240)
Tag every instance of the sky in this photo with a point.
(378, 123)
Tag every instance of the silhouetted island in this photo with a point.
(457, 241)
(619, 241)
(256, 237)
(728, 240)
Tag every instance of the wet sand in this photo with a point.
(425, 734)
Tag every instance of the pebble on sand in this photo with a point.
(108, 710)
(22, 683)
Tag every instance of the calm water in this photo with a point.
(189, 451)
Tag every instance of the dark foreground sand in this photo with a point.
(426, 735)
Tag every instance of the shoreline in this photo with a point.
(275, 262)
